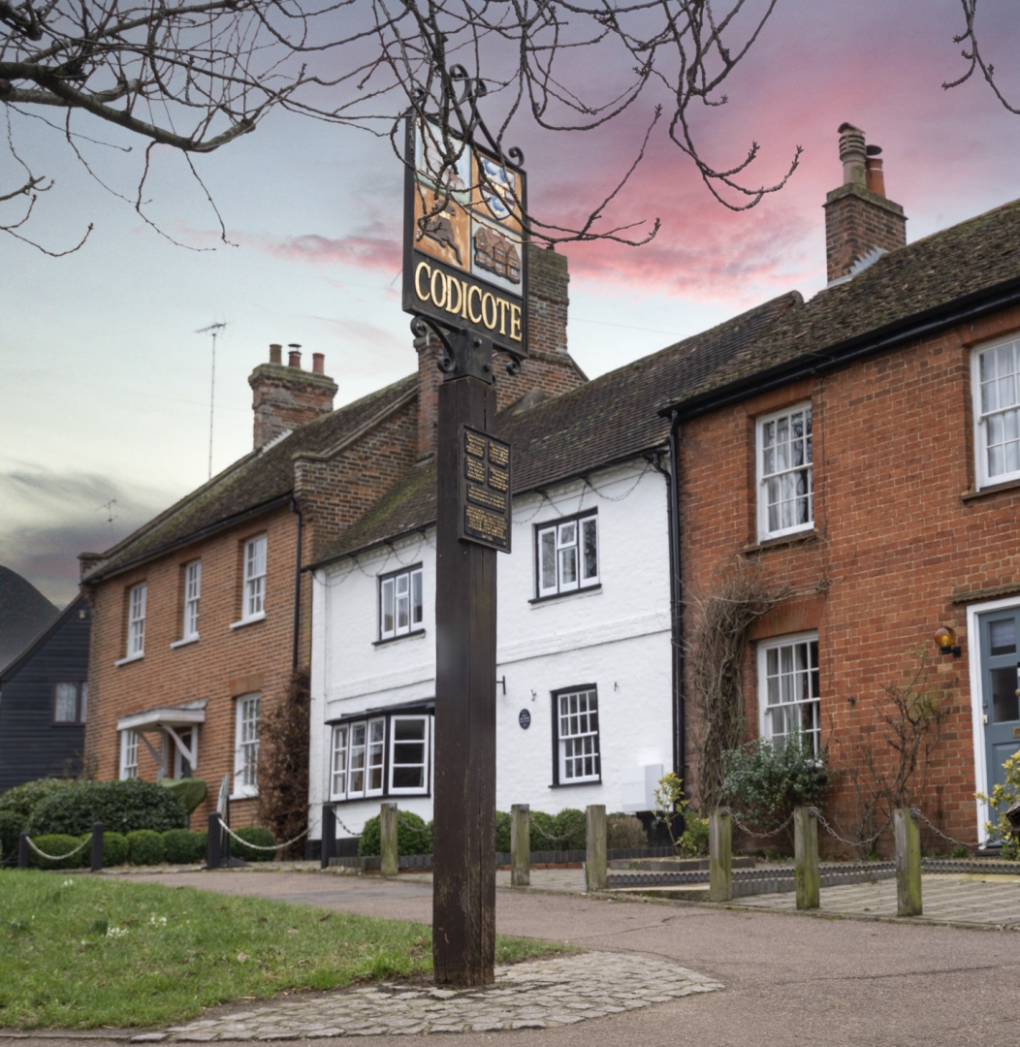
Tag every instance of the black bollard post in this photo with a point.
(98, 831)
(328, 833)
(23, 851)
(213, 853)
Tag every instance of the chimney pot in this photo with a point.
(852, 153)
(318, 363)
(875, 177)
(275, 353)
(294, 359)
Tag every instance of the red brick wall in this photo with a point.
(285, 397)
(894, 543)
(856, 222)
(223, 664)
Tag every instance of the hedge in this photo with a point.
(59, 844)
(253, 834)
(503, 835)
(413, 835)
(181, 846)
(115, 849)
(145, 847)
(122, 806)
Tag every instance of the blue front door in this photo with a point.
(999, 633)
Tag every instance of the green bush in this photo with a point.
(571, 824)
(23, 799)
(190, 791)
(115, 849)
(123, 806)
(181, 846)
(625, 832)
(764, 781)
(694, 842)
(202, 845)
(255, 834)
(145, 847)
(503, 823)
(413, 835)
(58, 844)
(10, 829)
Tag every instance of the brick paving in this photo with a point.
(543, 994)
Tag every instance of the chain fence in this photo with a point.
(59, 857)
(760, 834)
(571, 829)
(258, 846)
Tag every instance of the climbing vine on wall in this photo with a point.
(283, 763)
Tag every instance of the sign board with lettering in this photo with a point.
(485, 491)
(465, 263)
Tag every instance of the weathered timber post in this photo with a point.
(520, 845)
(98, 831)
(907, 835)
(720, 855)
(389, 849)
(328, 833)
(595, 876)
(23, 851)
(464, 848)
(212, 858)
(805, 850)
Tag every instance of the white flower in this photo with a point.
(116, 932)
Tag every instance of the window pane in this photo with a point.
(590, 564)
(568, 566)
(547, 551)
(1005, 702)
(66, 703)
(1002, 636)
(416, 598)
(387, 607)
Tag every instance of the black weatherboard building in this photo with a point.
(43, 701)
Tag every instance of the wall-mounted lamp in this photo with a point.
(945, 641)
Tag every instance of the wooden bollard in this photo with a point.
(212, 857)
(720, 855)
(328, 833)
(805, 849)
(520, 845)
(389, 851)
(907, 835)
(98, 832)
(23, 851)
(595, 875)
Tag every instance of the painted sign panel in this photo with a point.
(485, 502)
(465, 263)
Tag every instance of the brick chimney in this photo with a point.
(859, 220)
(284, 397)
(548, 369)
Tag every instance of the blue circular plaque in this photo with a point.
(524, 719)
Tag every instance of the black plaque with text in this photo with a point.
(485, 502)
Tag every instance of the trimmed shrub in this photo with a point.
(543, 831)
(58, 844)
(503, 823)
(122, 806)
(625, 832)
(145, 847)
(190, 791)
(181, 846)
(115, 849)
(573, 825)
(10, 830)
(23, 799)
(202, 845)
(258, 835)
(413, 836)
(694, 842)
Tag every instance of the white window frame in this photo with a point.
(363, 754)
(137, 597)
(986, 416)
(402, 589)
(577, 739)
(80, 689)
(567, 539)
(253, 608)
(246, 744)
(808, 675)
(770, 479)
(409, 790)
(128, 754)
(192, 596)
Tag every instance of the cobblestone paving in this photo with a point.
(543, 994)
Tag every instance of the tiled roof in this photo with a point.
(258, 479)
(947, 269)
(608, 420)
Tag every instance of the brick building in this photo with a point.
(201, 617)
(862, 458)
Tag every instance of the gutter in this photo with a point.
(967, 308)
(676, 620)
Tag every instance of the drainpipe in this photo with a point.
(297, 584)
(675, 595)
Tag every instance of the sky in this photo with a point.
(105, 370)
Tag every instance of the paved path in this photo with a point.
(654, 970)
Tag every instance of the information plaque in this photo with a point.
(485, 491)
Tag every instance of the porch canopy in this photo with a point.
(166, 721)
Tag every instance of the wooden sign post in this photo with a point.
(465, 279)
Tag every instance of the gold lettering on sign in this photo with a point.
(474, 444)
(483, 496)
(498, 479)
(491, 525)
(499, 454)
(459, 298)
(475, 470)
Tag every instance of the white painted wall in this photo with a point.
(616, 637)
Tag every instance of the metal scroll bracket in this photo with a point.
(464, 353)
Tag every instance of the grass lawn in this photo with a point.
(80, 952)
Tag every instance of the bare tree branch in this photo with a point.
(975, 60)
